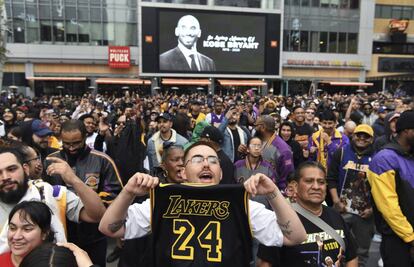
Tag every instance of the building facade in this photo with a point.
(55, 44)
(393, 45)
(326, 40)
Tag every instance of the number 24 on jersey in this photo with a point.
(208, 238)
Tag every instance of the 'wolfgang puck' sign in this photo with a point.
(119, 57)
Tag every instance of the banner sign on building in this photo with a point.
(119, 57)
(392, 64)
(398, 25)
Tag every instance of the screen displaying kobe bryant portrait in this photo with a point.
(197, 41)
(211, 43)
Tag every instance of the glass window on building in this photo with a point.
(83, 29)
(325, 3)
(58, 31)
(108, 33)
(333, 42)
(132, 15)
(295, 2)
(342, 42)
(334, 3)
(386, 12)
(18, 22)
(71, 31)
(407, 12)
(354, 4)
(305, 3)
(304, 41)
(45, 22)
(32, 24)
(323, 42)
(344, 4)
(132, 3)
(352, 43)
(377, 11)
(96, 33)
(83, 2)
(95, 2)
(133, 37)
(45, 31)
(396, 12)
(58, 10)
(96, 14)
(71, 24)
(8, 12)
(286, 40)
(314, 42)
(83, 13)
(121, 34)
(294, 40)
(18, 31)
(315, 3)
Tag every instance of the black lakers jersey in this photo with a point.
(200, 225)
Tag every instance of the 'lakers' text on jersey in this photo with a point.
(199, 225)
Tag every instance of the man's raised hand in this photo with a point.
(259, 184)
(140, 184)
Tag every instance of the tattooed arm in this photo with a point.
(287, 219)
(114, 220)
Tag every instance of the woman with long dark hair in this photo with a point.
(29, 227)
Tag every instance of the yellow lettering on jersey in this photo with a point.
(180, 249)
(331, 246)
(210, 239)
(196, 207)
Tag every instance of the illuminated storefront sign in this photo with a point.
(324, 63)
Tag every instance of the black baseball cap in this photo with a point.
(197, 102)
(165, 116)
(213, 134)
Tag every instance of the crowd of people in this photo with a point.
(296, 180)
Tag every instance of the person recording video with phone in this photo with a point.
(185, 56)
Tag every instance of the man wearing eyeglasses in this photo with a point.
(348, 186)
(37, 134)
(99, 172)
(208, 227)
(33, 159)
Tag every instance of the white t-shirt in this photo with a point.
(2, 129)
(90, 142)
(53, 196)
(262, 221)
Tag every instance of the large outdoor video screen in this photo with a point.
(206, 42)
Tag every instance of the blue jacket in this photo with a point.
(227, 145)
